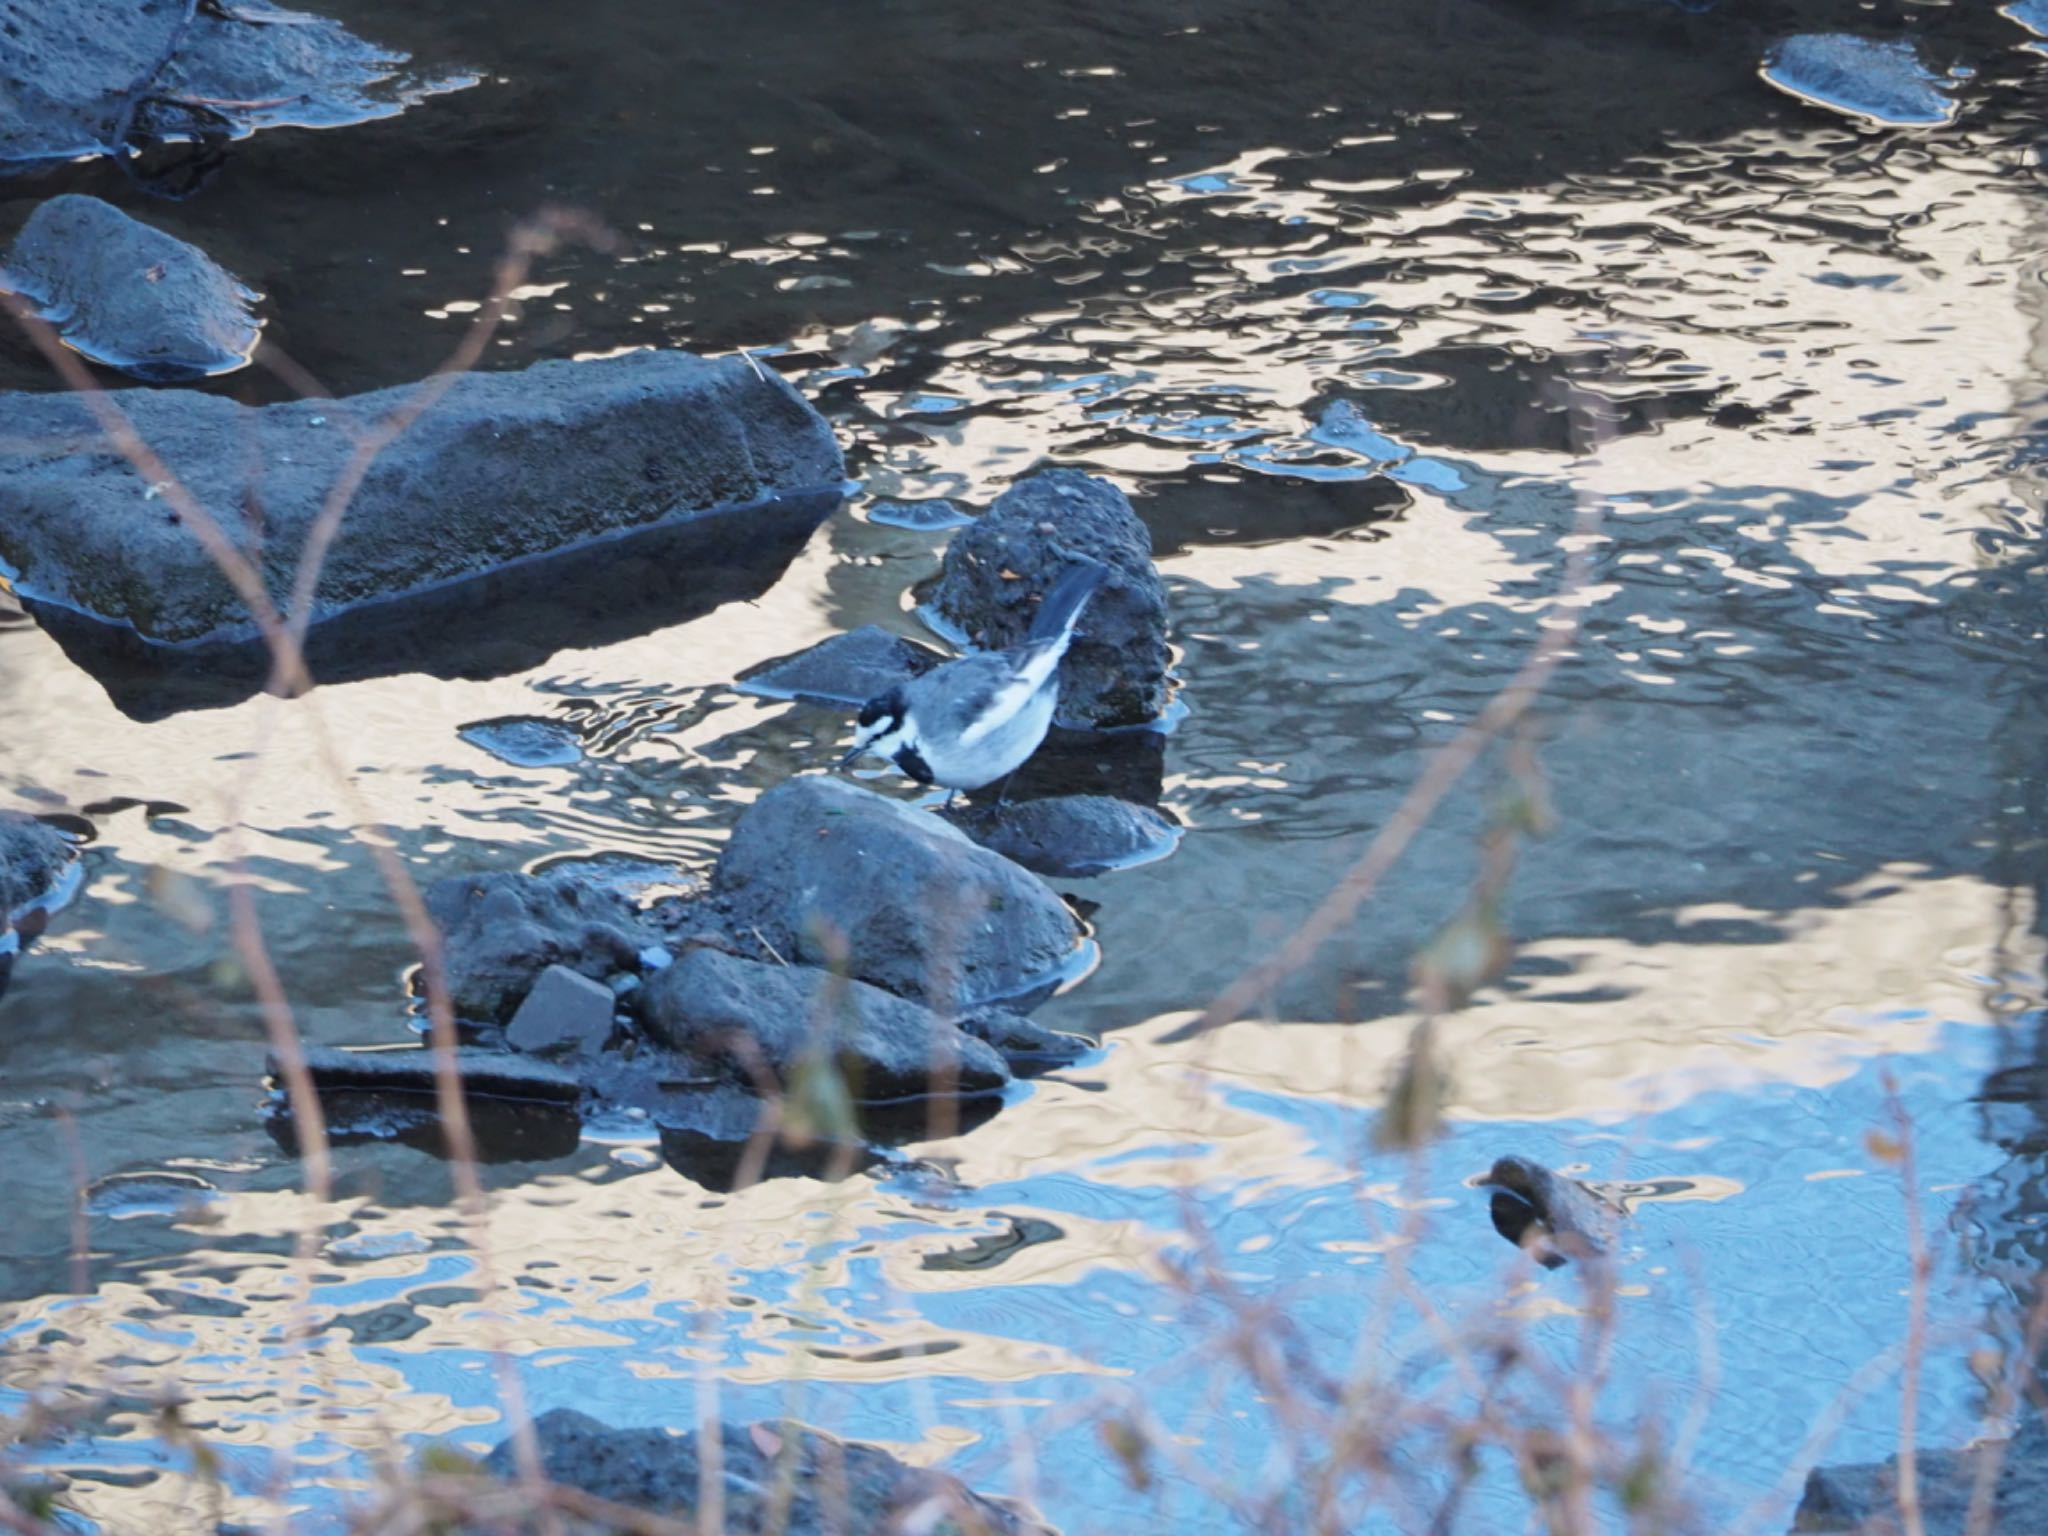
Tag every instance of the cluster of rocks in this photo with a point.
(840, 928)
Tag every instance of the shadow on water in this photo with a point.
(1377, 312)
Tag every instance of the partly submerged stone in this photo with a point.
(1864, 1497)
(1549, 1216)
(1027, 1045)
(500, 931)
(498, 469)
(1070, 836)
(69, 68)
(776, 1478)
(819, 869)
(996, 572)
(730, 1016)
(525, 741)
(847, 669)
(128, 295)
(928, 516)
(491, 1074)
(565, 1012)
(1862, 77)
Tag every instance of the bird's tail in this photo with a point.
(1062, 606)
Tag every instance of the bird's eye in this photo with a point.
(872, 711)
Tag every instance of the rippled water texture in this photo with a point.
(1371, 382)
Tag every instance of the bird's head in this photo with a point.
(883, 727)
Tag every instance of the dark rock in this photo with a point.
(69, 64)
(499, 931)
(525, 741)
(1864, 1498)
(728, 1015)
(777, 1477)
(847, 669)
(485, 1074)
(995, 572)
(1553, 1218)
(1028, 1046)
(128, 295)
(929, 516)
(503, 467)
(1070, 835)
(36, 863)
(817, 863)
(565, 1012)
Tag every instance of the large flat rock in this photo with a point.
(68, 67)
(504, 468)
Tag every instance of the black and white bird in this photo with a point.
(974, 720)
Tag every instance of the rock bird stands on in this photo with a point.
(975, 720)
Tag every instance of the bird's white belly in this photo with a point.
(1002, 751)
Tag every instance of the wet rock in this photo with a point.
(69, 66)
(847, 669)
(499, 931)
(728, 1015)
(1069, 836)
(777, 1477)
(1028, 1046)
(1864, 1498)
(1861, 77)
(125, 294)
(921, 911)
(525, 741)
(1553, 1218)
(485, 1074)
(503, 468)
(929, 516)
(566, 1013)
(995, 572)
(36, 863)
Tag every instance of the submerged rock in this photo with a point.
(70, 67)
(500, 931)
(36, 863)
(565, 1012)
(776, 1478)
(818, 868)
(728, 1015)
(1553, 1218)
(125, 294)
(1861, 77)
(995, 572)
(525, 741)
(1070, 836)
(847, 669)
(501, 468)
(928, 516)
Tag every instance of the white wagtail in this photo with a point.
(971, 721)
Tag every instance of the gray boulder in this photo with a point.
(996, 571)
(488, 1074)
(718, 1010)
(921, 911)
(1027, 1045)
(1069, 836)
(68, 65)
(1864, 1497)
(499, 931)
(501, 468)
(776, 1477)
(35, 860)
(128, 295)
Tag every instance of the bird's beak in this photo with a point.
(852, 757)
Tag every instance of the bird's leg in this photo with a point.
(1003, 794)
(951, 796)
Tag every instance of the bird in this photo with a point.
(975, 719)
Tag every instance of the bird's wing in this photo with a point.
(980, 693)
